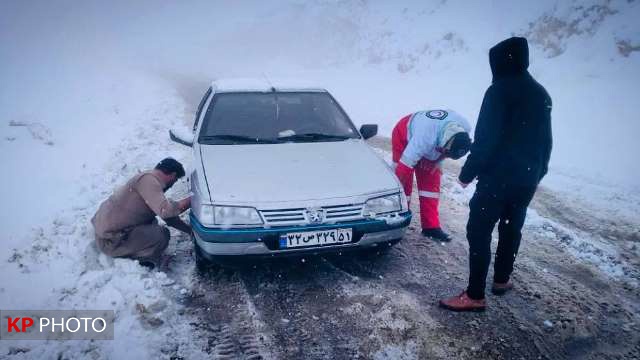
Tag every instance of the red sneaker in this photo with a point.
(463, 302)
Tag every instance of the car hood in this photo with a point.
(259, 173)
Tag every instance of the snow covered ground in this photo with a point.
(54, 264)
(91, 89)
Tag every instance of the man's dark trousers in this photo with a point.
(493, 202)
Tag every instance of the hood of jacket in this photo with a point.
(450, 129)
(509, 57)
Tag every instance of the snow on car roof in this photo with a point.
(263, 84)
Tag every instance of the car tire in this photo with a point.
(203, 265)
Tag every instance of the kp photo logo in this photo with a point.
(57, 324)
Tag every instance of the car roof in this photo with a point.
(263, 85)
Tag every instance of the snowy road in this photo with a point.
(385, 305)
(576, 293)
(344, 307)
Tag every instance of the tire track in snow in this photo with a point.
(227, 317)
(297, 299)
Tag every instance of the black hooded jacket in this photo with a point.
(512, 142)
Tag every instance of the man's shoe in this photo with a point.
(436, 234)
(501, 288)
(148, 264)
(463, 302)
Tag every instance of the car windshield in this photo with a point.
(276, 117)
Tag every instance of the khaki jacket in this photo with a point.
(136, 203)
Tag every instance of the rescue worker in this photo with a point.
(420, 142)
(126, 225)
(509, 156)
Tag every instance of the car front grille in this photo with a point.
(332, 214)
(283, 216)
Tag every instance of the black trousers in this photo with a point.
(493, 202)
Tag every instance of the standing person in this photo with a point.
(125, 224)
(421, 141)
(509, 156)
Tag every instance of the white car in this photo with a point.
(281, 169)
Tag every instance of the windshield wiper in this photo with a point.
(239, 139)
(313, 137)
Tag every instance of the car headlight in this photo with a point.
(205, 215)
(383, 205)
(229, 215)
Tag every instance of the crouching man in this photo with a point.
(125, 224)
(420, 142)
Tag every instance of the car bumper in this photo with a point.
(265, 242)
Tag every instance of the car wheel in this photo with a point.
(203, 265)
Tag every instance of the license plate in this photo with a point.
(315, 238)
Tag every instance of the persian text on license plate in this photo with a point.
(315, 238)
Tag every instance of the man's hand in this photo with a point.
(463, 185)
(177, 223)
(184, 204)
(405, 175)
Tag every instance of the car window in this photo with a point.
(200, 106)
(276, 116)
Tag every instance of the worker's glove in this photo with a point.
(463, 185)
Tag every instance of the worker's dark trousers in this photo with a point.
(493, 202)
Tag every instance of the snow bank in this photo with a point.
(118, 127)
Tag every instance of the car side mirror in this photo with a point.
(181, 138)
(368, 131)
